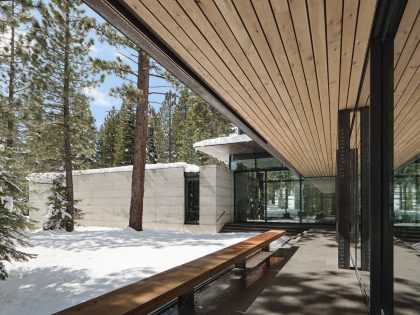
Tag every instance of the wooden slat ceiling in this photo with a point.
(406, 86)
(287, 67)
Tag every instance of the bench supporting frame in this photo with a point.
(241, 264)
(186, 299)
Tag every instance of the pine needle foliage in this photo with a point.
(57, 217)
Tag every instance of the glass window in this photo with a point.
(192, 200)
(268, 163)
(317, 206)
(249, 196)
(242, 162)
(283, 197)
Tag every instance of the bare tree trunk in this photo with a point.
(139, 157)
(66, 124)
(11, 89)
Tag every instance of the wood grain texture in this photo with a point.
(288, 66)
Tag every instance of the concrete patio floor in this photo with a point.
(308, 283)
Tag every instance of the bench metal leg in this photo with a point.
(240, 264)
(186, 299)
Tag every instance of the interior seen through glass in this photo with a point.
(266, 191)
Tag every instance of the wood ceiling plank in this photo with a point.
(178, 15)
(210, 15)
(409, 110)
(410, 151)
(303, 32)
(407, 151)
(411, 121)
(269, 27)
(234, 21)
(408, 52)
(404, 150)
(286, 29)
(408, 20)
(281, 97)
(287, 66)
(409, 75)
(410, 92)
(333, 22)
(364, 23)
(186, 54)
(349, 29)
(317, 20)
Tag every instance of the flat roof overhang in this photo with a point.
(279, 70)
(221, 148)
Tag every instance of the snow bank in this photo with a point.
(49, 177)
(73, 267)
(223, 140)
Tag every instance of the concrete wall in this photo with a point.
(105, 198)
(216, 197)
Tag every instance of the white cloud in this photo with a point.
(99, 97)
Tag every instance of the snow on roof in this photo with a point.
(48, 177)
(223, 140)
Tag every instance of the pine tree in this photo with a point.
(182, 128)
(14, 19)
(107, 137)
(154, 137)
(13, 206)
(57, 216)
(125, 133)
(138, 76)
(62, 71)
(167, 115)
(83, 133)
(207, 123)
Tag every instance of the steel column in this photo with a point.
(381, 176)
(343, 189)
(364, 187)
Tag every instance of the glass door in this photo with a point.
(250, 197)
(283, 197)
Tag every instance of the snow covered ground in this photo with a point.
(73, 267)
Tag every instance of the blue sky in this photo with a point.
(101, 101)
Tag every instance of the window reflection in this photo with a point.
(266, 191)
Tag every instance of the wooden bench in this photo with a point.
(147, 295)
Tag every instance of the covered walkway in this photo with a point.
(308, 283)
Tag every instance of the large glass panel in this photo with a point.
(318, 200)
(266, 161)
(407, 238)
(249, 196)
(242, 162)
(283, 196)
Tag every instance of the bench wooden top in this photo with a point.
(146, 295)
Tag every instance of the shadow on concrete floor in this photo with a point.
(288, 286)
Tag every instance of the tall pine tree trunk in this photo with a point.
(11, 88)
(139, 156)
(66, 123)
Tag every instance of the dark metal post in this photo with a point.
(300, 199)
(343, 189)
(186, 299)
(353, 199)
(381, 175)
(364, 187)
